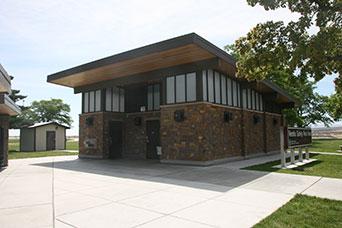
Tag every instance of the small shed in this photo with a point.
(43, 136)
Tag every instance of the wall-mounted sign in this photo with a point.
(90, 143)
(297, 137)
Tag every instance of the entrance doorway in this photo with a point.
(153, 138)
(115, 136)
(50, 140)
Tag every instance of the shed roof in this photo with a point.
(47, 123)
(172, 52)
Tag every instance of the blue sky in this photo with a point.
(40, 37)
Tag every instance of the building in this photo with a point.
(7, 108)
(43, 137)
(178, 101)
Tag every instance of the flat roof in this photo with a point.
(172, 52)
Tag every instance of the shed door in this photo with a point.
(50, 140)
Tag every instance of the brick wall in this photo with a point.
(4, 123)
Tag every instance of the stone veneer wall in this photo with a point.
(203, 135)
(253, 133)
(134, 137)
(4, 123)
(272, 132)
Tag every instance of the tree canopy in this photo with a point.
(296, 56)
(294, 48)
(44, 111)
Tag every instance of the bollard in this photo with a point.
(292, 156)
(300, 154)
(307, 154)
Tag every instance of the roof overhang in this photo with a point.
(5, 81)
(173, 52)
(7, 106)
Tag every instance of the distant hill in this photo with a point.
(327, 132)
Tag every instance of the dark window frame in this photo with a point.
(153, 94)
(185, 87)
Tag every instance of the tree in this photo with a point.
(50, 110)
(312, 106)
(21, 119)
(293, 48)
(334, 106)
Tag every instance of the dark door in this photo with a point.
(153, 138)
(50, 140)
(2, 146)
(115, 139)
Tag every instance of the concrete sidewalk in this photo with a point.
(68, 192)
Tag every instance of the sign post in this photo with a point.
(295, 138)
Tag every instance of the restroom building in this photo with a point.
(177, 101)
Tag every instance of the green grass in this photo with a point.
(14, 153)
(13, 145)
(72, 145)
(326, 145)
(326, 166)
(37, 154)
(306, 211)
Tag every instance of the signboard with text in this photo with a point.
(297, 137)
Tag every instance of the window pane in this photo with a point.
(234, 94)
(156, 97)
(115, 99)
(223, 89)
(109, 99)
(122, 100)
(170, 90)
(238, 94)
(204, 80)
(91, 101)
(229, 91)
(217, 88)
(249, 98)
(180, 88)
(150, 97)
(257, 101)
(86, 102)
(98, 101)
(244, 98)
(191, 87)
(210, 86)
(261, 103)
(253, 99)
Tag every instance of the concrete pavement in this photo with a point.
(68, 192)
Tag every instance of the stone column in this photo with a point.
(300, 154)
(307, 154)
(292, 156)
